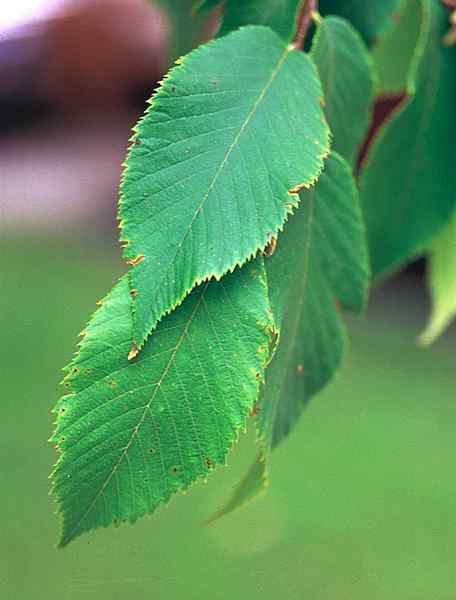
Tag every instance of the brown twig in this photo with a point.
(303, 22)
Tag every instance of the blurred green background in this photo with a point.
(362, 500)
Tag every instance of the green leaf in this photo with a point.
(320, 261)
(280, 15)
(442, 283)
(346, 74)
(231, 136)
(134, 433)
(407, 181)
(253, 484)
(394, 55)
(369, 17)
(205, 5)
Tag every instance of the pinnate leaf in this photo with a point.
(319, 266)
(346, 75)
(132, 433)
(216, 165)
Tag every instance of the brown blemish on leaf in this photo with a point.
(174, 470)
(112, 383)
(133, 352)
(322, 101)
(300, 369)
(255, 410)
(136, 260)
(209, 463)
(270, 246)
(298, 188)
(133, 293)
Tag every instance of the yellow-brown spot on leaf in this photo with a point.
(136, 260)
(133, 293)
(133, 352)
(270, 246)
(255, 410)
(300, 369)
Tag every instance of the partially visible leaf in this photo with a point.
(216, 165)
(252, 485)
(206, 5)
(280, 15)
(397, 54)
(320, 263)
(369, 17)
(442, 283)
(134, 433)
(346, 74)
(407, 185)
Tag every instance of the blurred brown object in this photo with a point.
(98, 51)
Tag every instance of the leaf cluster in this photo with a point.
(249, 227)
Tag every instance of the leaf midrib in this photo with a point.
(110, 475)
(217, 174)
(298, 314)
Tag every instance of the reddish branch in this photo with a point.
(303, 21)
